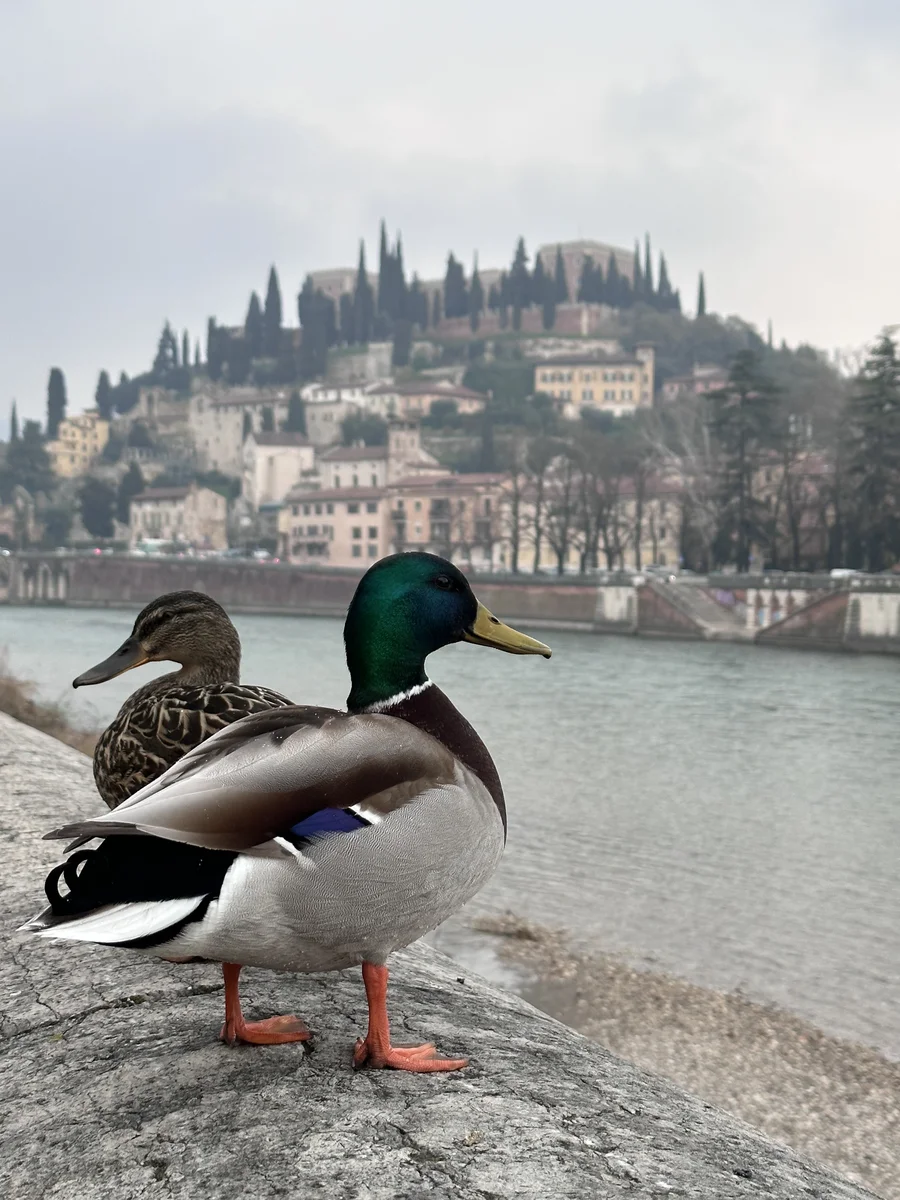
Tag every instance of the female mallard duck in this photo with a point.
(307, 839)
(165, 718)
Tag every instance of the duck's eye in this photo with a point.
(445, 582)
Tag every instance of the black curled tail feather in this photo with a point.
(124, 870)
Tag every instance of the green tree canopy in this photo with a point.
(272, 317)
(130, 485)
(98, 501)
(103, 396)
(253, 327)
(27, 464)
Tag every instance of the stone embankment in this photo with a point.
(114, 1085)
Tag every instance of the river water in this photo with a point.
(723, 812)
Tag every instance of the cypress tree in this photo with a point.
(346, 324)
(197, 359)
(539, 279)
(476, 299)
(215, 356)
(247, 426)
(13, 423)
(456, 300)
(587, 282)
(612, 292)
(638, 285)
(701, 297)
(400, 291)
(272, 317)
(253, 327)
(296, 418)
(418, 304)
(648, 271)
(664, 295)
(561, 284)
(402, 343)
(385, 298)
(103, 397)
(185, 349)
(268, 420)
(493, 300)
(548, 305)
(436, 313)
(363, 302)
(519, 283)
(166, 359)
(56, 402)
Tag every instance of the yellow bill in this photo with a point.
(487, 630)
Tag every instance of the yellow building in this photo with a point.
(79, 441)
(618, 383)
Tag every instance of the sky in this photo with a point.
(159, 155)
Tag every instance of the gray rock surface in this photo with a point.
(113, 1084)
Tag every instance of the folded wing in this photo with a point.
(259, 777)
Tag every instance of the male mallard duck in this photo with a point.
(165, 718)
(307, 839)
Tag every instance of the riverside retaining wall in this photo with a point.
(114, 1086)
(779, 610)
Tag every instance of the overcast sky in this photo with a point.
(158, 155)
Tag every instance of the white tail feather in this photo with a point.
(123, 922)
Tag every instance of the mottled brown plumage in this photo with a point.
(164, 719)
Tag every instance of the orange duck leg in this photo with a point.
(375, 1049)
(274, 1031)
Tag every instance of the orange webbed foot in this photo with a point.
(274, 1031)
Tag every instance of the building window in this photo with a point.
(329, 508)
(356, 481)
(353, 508)
(587, 394)
(418, 506)
(357, 531)
(372, 505)
(373, 550)
(357, 551)
(373, 531)
(337, 481)
(401, 504)
(306, 510)
(318, 510)
(295, 510)
(374, 481)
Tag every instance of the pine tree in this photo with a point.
(539, 278)
(701, 297)
(185, 349)
(637, 286)
(130, 485)
(436, 311)
(272, 317)
(103, 397)
(871, 451)
(519, 284)
(476, 299)
(363, 302)
(296, 417)
(649, 291)
(561, 284)
(254, 333)
(56, 402)
(197, 358)
(745, 424)
(13, 423)
(346, 320)
(318, 325)
(493, 300)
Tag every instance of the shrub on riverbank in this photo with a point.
(17, 698)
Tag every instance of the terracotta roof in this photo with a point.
(438, 387)
(588, 360)
(163, 493)
(449, 480)
(281, 439)
(354, 453)
(307, 497)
